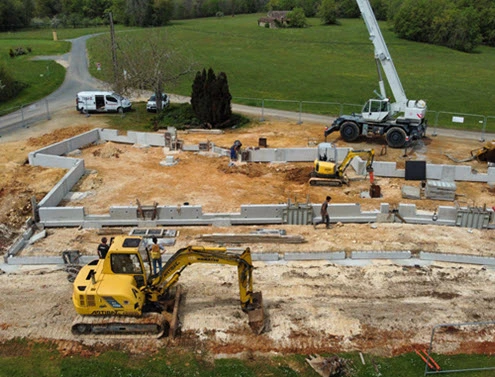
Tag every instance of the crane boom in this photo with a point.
(382, 55)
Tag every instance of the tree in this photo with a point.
(147, 62)
(440, 22)
(211, 99)
(458, 29)
(327, 12)
(297, 18)
(347, 9)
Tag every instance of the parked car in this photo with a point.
(151, 104)
(99, 101)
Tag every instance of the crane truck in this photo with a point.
(401, 121)
(117, 295)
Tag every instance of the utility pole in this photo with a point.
(114, 55)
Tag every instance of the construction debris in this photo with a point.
(332, 366)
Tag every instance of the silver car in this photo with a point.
(151, 104)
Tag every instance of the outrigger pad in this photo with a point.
(256, 316)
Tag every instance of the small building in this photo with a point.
(274, 19)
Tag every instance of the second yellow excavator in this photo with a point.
(330, 173)
(116, 295)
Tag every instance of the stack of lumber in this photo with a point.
(440, 190)
(251, 238)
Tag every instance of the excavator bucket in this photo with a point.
(256, 316)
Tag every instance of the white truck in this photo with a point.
(101, 102)
(401, 121)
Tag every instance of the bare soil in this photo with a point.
(380, 307)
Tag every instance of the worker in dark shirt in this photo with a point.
(103, 248)
(325, 217)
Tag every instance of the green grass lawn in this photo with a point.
(325, 64)
(41, 77)
(22, 358)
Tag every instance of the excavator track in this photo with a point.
(326, 182)
(152, 323)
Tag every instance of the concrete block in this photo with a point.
(190, 148)
(56, 214)
(169, 161)
(434, 171)
(185, 212)
(457, 258)
(314, 256)
(411, 192)
(407, 210)
(381, 255)
(221, 222)
(300, 154)
(123, 212)
(35, 238)
(17, 246)
(35, 260)
(385, 218)
(463, 173)
(387, 169)
(384, 208)
(265, 257)
(64, 186)
(446, 213)
(263, 210)
(448, 173)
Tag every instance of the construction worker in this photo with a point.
(325, 217)
(103, 248)
(234, 150)
(156, 256)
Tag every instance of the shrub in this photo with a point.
(11, 87)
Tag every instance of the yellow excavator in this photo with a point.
(330, 173)
(117, 295)
(484, 154)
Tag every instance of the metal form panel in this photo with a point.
(473, 217)
(298, 214)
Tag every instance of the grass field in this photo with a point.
(325, 64)
(41, 77)
(22, 358)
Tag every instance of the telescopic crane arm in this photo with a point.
(414, 110)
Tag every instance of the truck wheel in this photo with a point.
(396, 137)
(349, 131)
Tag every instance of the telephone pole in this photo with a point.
(116, 76)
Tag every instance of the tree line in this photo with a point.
(458, 24)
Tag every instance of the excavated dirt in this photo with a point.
(380, 307)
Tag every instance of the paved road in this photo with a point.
(77, 78)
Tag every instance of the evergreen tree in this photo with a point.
(211, 99)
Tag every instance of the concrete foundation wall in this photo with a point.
(268, 257)
(63, 187)
(132, 137)
(50, 215)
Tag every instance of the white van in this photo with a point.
(101, 102)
